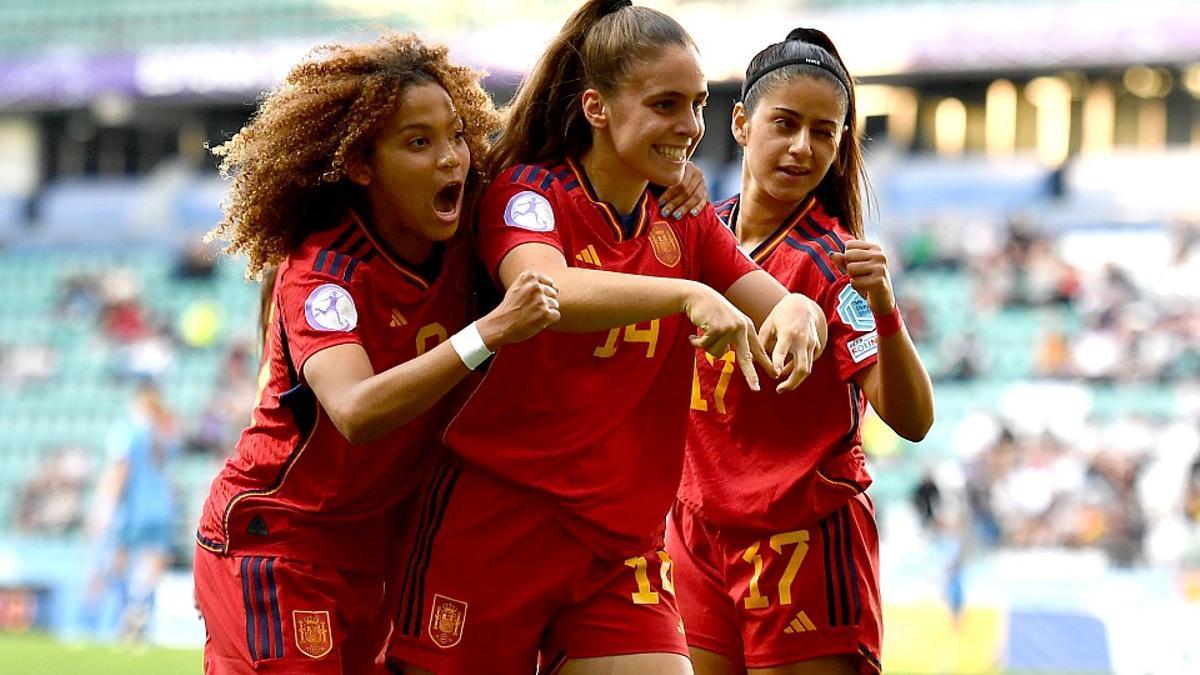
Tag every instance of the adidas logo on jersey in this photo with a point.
(589, 256)
(800, 624)
(398, 319)
(257, 527)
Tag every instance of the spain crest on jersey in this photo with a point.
(314, 635)
(666, 246)
(446, 621)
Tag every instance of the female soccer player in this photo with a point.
(774, 539)
(351, 177)
(544, 532)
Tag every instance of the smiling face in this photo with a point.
(791, 139)
(655, 118)
(415, 170)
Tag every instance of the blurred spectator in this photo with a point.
(133, 514)
(26, 363)
(962, 358)
(197, 262)
(81, 297)
(916, 319)
(224, 416)
(1191, 497)
(1052, 354)
(122, 317)
(51, 500)
(927, 498)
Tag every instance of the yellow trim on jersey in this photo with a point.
(768, 247)
(610, 214)
(405, 270)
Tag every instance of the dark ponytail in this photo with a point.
(809, 52)
(596, 48)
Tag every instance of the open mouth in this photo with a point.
(446, 200)
(675, 153)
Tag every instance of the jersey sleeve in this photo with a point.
(722, 262)
(318, 310)
(516, 209)
(853, 342)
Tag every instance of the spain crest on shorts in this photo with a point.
(314, 634)
(666, 246)
(446, 621)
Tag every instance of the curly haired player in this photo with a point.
(352, 178)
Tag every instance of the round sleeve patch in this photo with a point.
(854, 311)
(330, 308)
(529, 210)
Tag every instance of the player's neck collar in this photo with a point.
(768, 245)
(640, 217)
(421, 275)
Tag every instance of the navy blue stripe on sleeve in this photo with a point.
(275, 618)
(837, 240)
(817, 258)
(250, 619)
(352, 249)
(343, 238)
(264, 630)
(839, 555)
(853, 568)
(536, 175)
(336, 264)
(829, 591)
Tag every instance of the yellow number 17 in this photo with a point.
(755, 599)
(699, 402)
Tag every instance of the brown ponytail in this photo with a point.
(597, 47)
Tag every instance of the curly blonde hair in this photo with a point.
(288, 164)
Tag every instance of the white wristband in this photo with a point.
(470, 347)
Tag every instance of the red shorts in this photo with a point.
(272, 615)
(774, 598)
(494, 583)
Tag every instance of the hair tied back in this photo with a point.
(611, 6)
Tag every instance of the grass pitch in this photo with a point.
(39, 654)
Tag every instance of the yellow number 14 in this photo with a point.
(648, 335)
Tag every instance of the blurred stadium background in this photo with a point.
(1035, 165)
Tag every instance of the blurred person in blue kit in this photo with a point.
(131, 524)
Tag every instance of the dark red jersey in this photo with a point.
(295, 487)
(762, 460)
(595, 421)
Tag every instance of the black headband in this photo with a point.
(804, 60)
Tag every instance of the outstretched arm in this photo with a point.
(593, 300)
(364, 405)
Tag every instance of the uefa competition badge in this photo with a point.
(854, 311)
(330, 308)
(529, 211)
